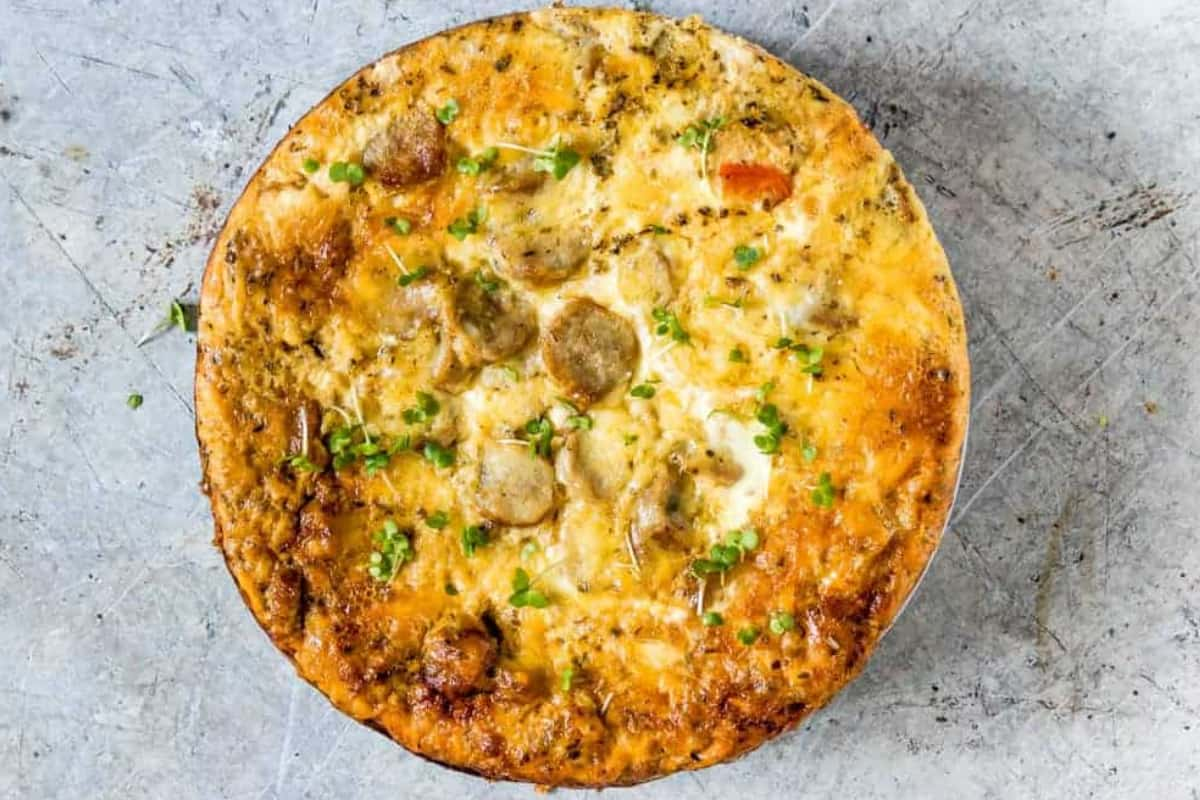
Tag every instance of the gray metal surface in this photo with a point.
(1054, 648)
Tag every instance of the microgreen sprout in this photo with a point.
(426, 409)
(700, 136)
(347, 172)
(177, 316)
(746, 256)
(748, 635)
(668, 323)
(539, 432)
(781, 622)
(480, 163)
(724, 556)
(555, 159)
(473, 537)
(809, 357)
(523, 592)
(399, 225)
(462, 227)
(393, 549)
(448, 112)
(823, 494)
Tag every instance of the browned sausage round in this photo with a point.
(457, 660)
(515, 488)
(541, 256)
(588, 350)
(412, 149)
(497, 323)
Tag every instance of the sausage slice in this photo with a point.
(411, 150)
(588, 350)
(498, 323)
(543, 256)
(514, 487)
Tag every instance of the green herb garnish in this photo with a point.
(473, 537)
(712, 619)
(564, 680)
(463, 227)
(176, 317)
(738, 356)
(448, 112)
(540, 433)
(440, 457)
(643, 390)
(311, 165)
(426, 409)
(399, 225)
(438, 520)
(746, 256)
(349, 443)
(810, 357)
(768, 416)
(394, 549)
(726, 555)
(823, 495)
(808, 451)
(406, 278)
(699, 136)
(487, 281)
(299, 462)
(451, 589)
(668, 323)
(347, 172)
(748, 635)
(478, 164)
(578, 420)
(555, 159)
(134, 400)
(410, 278)
(523, 592)
(374, 456)
(781, 622)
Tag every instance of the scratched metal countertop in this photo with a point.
(1054, 648)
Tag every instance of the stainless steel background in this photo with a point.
(1053, 649)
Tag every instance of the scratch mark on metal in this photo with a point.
(95, 291)
(54, 72)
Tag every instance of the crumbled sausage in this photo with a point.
(284, 598)
(588, 350)
(457, 660)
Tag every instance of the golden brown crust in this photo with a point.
(322, 436)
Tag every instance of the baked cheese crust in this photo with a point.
(580, 394)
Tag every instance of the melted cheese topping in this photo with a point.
(309, 336)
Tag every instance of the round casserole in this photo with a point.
(580, 394)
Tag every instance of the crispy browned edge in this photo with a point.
(885, 616)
